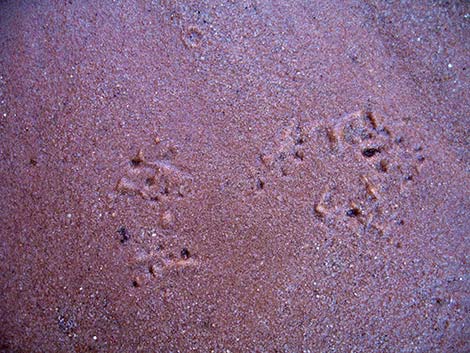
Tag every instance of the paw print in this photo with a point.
(286, 149)
(377, 167)
(155, 181)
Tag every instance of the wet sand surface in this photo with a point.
(234, 176)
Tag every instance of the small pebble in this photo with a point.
(185, 254)
(125, 236)
(353, 212)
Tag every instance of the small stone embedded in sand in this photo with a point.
(137, 281)
(125, 236)
(300, 155)
(185, 254)
(260, 184)
(138, 159)
(383, 166)
(353, 212)
(320, 210)
(370, 151)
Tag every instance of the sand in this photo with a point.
(234, 176)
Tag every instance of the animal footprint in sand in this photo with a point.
(286, 148)
(153, 180)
